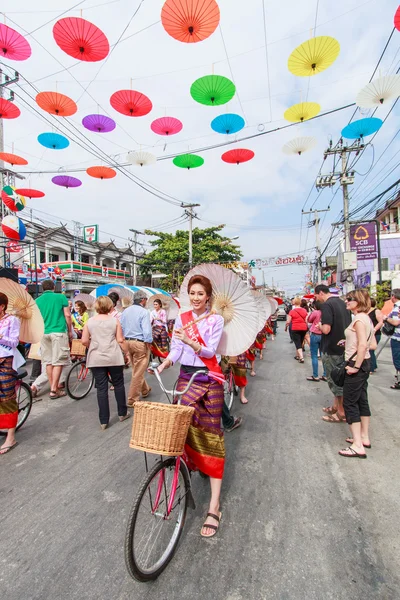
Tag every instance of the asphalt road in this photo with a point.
(299, 522)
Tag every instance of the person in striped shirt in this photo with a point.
(394, 319)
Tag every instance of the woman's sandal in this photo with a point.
(301, 361)
(350, 441)
(396, 386)
(351, 453)
(213, 527)
(334, 419)
(312, 378)
(57, 394)
(330, 410)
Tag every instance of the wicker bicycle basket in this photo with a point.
(160, 428)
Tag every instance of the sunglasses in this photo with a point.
(350, 299)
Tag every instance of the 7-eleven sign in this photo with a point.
(91, 233)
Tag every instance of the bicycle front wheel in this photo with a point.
(79, 381)
(24, 399)
(229, 392)
(152, 534)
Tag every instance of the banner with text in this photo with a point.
(363, 241)
(259, 263)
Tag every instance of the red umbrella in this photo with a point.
(81, 39)
(30, 193)
(56, 104)
(166, 126)
(13, 45)
(190, 20)
(397, 19)
(13, 159)
(8, 110)
(101, 172)
(279, 300)
(237, 156)
(309, 296)
(131, 103)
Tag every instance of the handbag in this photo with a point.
(338, 373)
(388, 329)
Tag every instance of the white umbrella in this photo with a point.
(379, 91)
(231, 299)
(264, 308)
(168, 304)
(122, 292)
(141, 159)
(299, 145)
(273, 303)
(22, 305)
(87, 299)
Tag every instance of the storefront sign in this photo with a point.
(363, 241)
(259, 263)
(91, 233)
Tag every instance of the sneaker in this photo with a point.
(236, 423)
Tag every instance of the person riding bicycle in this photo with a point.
(194, 343)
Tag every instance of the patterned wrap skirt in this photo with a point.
(205, 445)
(8, 398)
(170, 326)
(239, 370)
(160, 346)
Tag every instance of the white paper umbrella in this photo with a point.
(379, 91)
(299, 145)
(22, 305)
(264, 308)
(141, 159)
(231, 299)
(122, 292)
(87, 299)
(168, 304)
(273, 303)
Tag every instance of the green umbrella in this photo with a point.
(212, 90)
(188, 161)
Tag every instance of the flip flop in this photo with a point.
(7, 449)
(312, 378)
(331, 419)
(351, 453)
(213, 527)
(330, 410)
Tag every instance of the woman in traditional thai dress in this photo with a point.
(194, 344)
(158, 318)
(239, 371)
(9, 339)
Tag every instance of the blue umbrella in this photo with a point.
(229, 123)
(55, 141)
(361, 128)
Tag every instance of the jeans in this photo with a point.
(374, 365)
(117, 378)
(227, 419)
(315, 343)
(395, 345)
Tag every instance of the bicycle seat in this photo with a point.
(22, 373)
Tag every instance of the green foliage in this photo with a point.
(381, 292)
(171, 253)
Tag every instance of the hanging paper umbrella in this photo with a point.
(362, 128)
(313, 56)
(299, 145)
(228, 123)
(302, 112)
(166, 126)
(12, 199)
(55, 141)
(212, 90)
(13, 159)
(101, 172)
(131, 103)
(13, 228)
(13, 45)
(30, 193)
(379, 91)
(397, 19)
(141, 159)
(99, 123)
(188, 161)
(56, 104)
(190, 20)
(237, 156)
(8, 110)
(81, 39)
(66, 181)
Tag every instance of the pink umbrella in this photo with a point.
(13, 45)
(166, 126)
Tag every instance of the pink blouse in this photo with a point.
(158, 318)
(210, 329)
(9, 332)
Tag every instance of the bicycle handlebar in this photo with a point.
(154, 370)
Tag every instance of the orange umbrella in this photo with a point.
(13, 159)
(101, 172)
(56, 104)
(190, 20)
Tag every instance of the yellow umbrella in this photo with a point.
(302, 112)
(313, 56)
(22, 305)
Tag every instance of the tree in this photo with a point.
(171, 252)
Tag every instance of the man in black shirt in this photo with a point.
(334, 319)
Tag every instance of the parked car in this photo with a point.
(282, 313)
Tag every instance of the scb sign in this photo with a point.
(363, 241)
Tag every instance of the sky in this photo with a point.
(261, 200)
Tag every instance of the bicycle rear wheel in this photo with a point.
(24, 399)
(79, 381)
(229, 391)
(152, 535)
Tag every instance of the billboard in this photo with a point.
(363, 241)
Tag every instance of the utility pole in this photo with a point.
(135, 244)
(190, 214)
(317, 240)
(345, 178)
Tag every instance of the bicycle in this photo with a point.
(79, 380)
(24, 399)
(157, 517)
(230, 389)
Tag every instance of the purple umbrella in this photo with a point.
(98, 123)
(67, 181)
